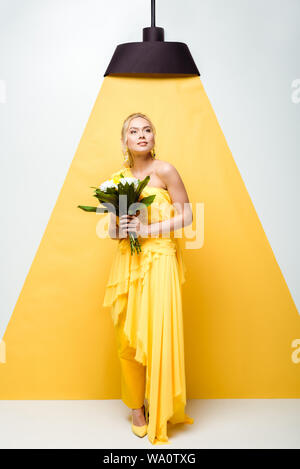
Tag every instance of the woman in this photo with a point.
(144, 290)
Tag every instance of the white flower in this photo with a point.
(107, 184)
(111, 184)
(130, 180)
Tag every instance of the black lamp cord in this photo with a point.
(152, 13)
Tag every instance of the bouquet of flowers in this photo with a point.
(108, 194)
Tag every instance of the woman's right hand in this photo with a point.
(124, 220)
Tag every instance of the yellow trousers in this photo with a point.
(133, 373)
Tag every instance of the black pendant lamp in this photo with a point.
(153, 55)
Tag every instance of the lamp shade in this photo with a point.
(152, 55)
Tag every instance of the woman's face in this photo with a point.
(140, 137)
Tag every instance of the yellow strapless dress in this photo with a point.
(148, 287)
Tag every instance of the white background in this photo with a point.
(53, 54)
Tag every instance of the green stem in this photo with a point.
(134, 244)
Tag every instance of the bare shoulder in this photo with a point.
(167, 172)
(172, 179)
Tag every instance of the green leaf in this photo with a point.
(148, 200)
(141, 204)
(87, 208)
(103, 197)
(142, 184)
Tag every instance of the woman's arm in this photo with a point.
(172, 224)
(170, 176)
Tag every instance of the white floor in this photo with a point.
(218, 423)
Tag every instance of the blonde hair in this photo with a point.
(124, 130)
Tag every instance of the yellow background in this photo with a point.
(240, 322)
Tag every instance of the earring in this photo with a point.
(126, 154)
(153, 153)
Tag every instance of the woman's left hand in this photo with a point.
(136, 226)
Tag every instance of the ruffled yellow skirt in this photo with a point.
(147, 288)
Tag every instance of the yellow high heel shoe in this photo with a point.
(139, 430)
